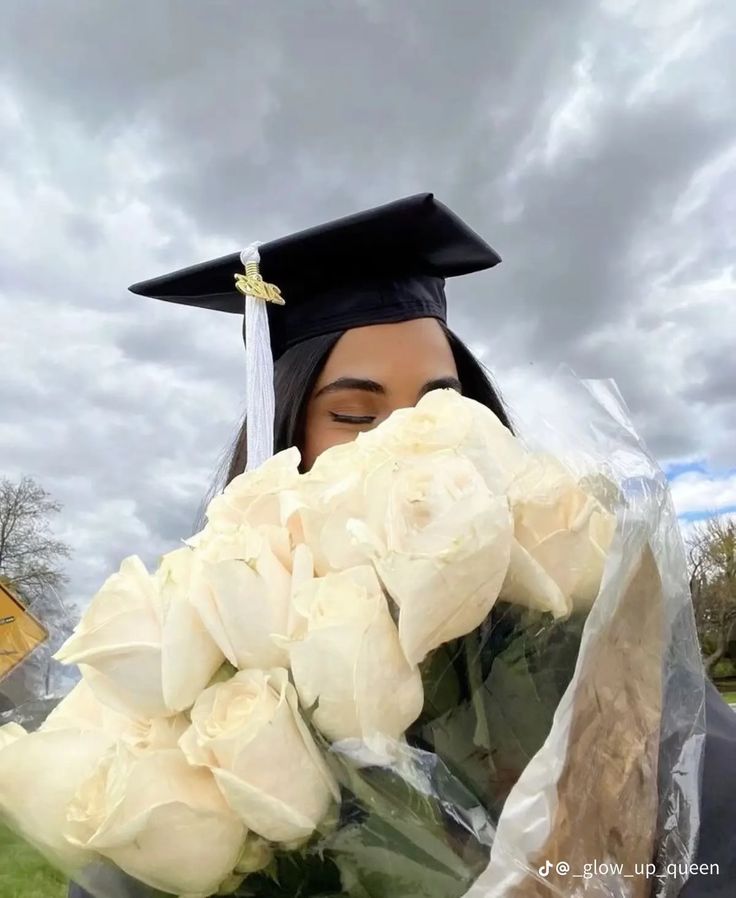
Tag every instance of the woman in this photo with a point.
(362, 333)
(332, 387)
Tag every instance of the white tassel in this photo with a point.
(260, 403)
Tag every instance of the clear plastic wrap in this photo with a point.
(556, 754)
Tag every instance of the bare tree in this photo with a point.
(712, 561)
(30, 557)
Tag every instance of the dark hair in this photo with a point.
(295, 374)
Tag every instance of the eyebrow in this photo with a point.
(370, 386)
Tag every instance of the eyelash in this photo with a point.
(348, 419)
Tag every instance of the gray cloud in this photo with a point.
(593, 144)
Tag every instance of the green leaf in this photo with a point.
(405, 832)
(295, 874)
(441, 681)
(378, 859)
(515, 678)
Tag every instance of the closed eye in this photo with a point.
(352, 419)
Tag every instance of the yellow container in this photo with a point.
(20, 632)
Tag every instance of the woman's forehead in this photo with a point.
(419, 341)
(417, 347)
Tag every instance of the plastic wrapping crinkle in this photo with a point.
(446, 663)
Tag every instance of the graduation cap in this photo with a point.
(383, 265)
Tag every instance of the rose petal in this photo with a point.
(39, 774)
(131, 805)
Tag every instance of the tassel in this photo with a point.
(259, 399)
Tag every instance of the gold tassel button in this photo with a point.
(252, 284)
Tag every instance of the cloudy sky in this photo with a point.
(592, 143)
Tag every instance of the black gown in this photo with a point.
(717, 839)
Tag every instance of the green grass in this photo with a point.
(729, 697)
(24, 873)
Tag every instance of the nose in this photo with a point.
(406, 401)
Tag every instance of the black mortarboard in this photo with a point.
(382, 265)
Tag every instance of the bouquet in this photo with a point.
(441, 663)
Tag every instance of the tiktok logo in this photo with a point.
(561, 867)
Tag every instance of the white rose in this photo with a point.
(39, 774)
(445, 420)
(82, 710)
(563, 534)
(440, 542)
(159, 819)
(249, 732)
(528, 584)
(254, 497)
(317, 509)
(242, 589)
(345, 653)
(338, 487)
(141, 644)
